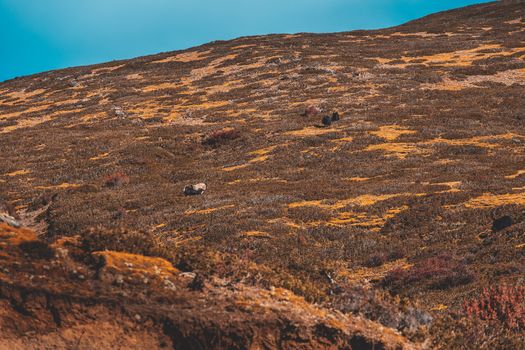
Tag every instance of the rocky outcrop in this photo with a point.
(138, 302)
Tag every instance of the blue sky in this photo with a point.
(40, 35)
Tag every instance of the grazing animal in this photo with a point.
(501, 223)
(327, 121)
(193, 190)
(311, 111)
(335, 117)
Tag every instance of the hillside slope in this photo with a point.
(397, 198)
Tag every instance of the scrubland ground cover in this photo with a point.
(386, 214)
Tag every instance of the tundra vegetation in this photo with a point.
(400, 225)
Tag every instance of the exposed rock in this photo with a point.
(117, 303)
(8, 219)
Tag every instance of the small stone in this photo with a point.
(8, 219)
(168, 284)
(119, 279)
(188, 275)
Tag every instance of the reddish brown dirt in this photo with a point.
(134, 302)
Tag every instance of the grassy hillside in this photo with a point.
(387, 213)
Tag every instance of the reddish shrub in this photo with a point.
(218, 137)
(116, 179)
(438, 272)
(502, 304)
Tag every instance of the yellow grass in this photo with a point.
(100, 156)
(61, 186)
(134, 76)
(235, 167)
(488, 200)
(207, 211)
(453, 186)
(18, 172)
(515, 175)
(363, 219)
(162, 86)
(185, 57)
(439, 307)
(136, 264)
(106, 69)
(344, 139)
(259, 159)
(399, 150)
(310, 131)
(363, 200)
(31, 122)
(357, 179)
(391, 132)
(263, 151)
(26, 111)
(258, 234)
(460, 58)
(365, 275)
(508, 77)
(22, 95)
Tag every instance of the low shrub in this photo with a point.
(382, 258)
(439, 272)
(122, 240)
(456, 332)
(218, 137)
(380, 306)
(502, 304)
(37, 250)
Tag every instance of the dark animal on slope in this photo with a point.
(501, 223)
(327, 120)
(335, 117)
